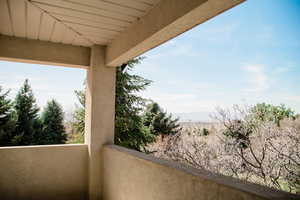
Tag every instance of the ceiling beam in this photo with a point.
(166, 20)
(41, 52)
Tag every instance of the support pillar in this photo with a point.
(100, 114)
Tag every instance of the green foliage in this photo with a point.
(79, 114)
(267, 112)
(20, 123)
(6, 119)
(129, 128)
(132, 129)
(159, 122)
(152, 110)
(205, 132)
(241, 129)
(75, 138)
(53, 130)
(27, 123)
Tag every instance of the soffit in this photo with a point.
(76, 22)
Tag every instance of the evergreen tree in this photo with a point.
(52, 121)
(6, 119)
(27, 123)
(151, 111)
(129, 128)
(159, 122)
(79, 114)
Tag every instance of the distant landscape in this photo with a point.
(267, 154)
(194, 117)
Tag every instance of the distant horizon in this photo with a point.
(203, 116)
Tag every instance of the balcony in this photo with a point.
(99, 36)
(61, 172)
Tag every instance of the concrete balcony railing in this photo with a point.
(44, 172)
(61, 172)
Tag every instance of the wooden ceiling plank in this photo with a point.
(82, 28)
(68, 37)
(87, 9)
(5, 24)
(33, 17)
(46, 28)
(131, 4)
(65, 18)
(58, 33)
(56, 30)
(96, 28)
(82, 15)
(18, 17)
(111, 7)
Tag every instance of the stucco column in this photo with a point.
(100, 113)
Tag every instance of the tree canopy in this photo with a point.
(159, 122)
(267, 112)
(52, 118)
(22, 124)
(129, 128)
(27, 122)
(6, 118)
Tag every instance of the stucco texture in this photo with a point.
(133, 175)
(56, 172)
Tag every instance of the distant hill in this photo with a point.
(194, 117)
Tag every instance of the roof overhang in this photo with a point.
(127, 28)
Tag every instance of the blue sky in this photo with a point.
(246, 55)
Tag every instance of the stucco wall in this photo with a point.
(43, 172)
(136, 176)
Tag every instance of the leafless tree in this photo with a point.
(271, 155)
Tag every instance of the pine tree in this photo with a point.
(151, 111)
(159, 122)
(6, 119)
(52, 121)
(27, 123)
(129, 128)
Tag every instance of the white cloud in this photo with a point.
(259, 79)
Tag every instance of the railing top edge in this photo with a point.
(43, 146)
